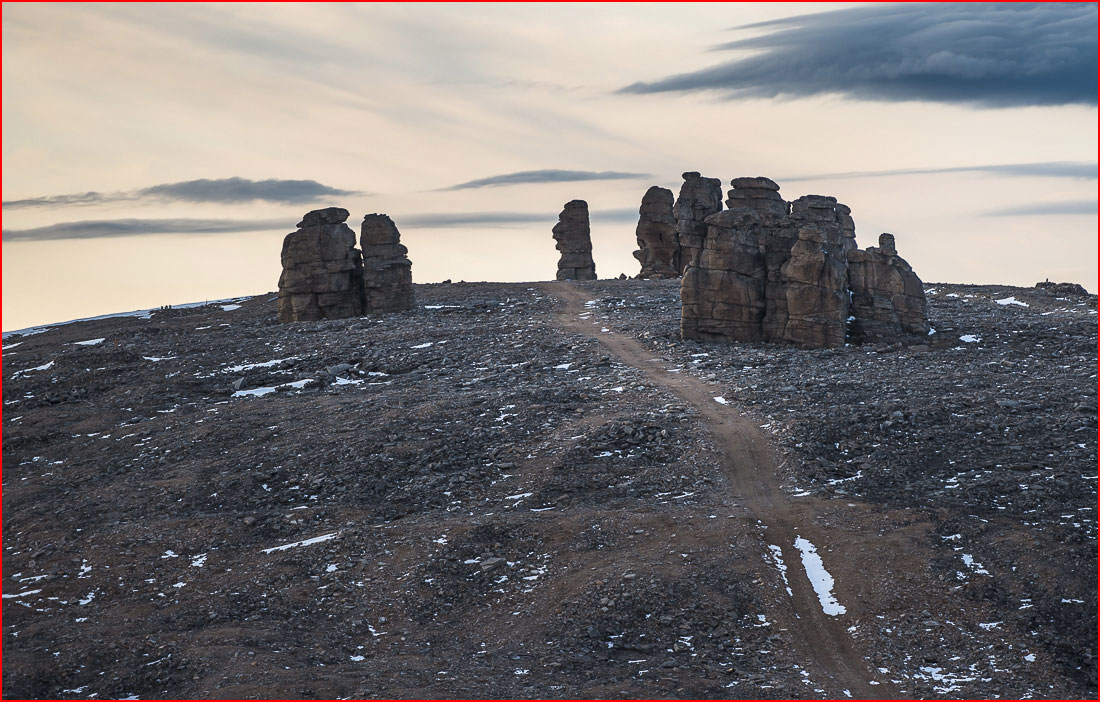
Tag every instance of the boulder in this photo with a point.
(322, 269)
(658, 243)
(699, 198)
(387, 271)
(574, 240)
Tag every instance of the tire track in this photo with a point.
(750, 466)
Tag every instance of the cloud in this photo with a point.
(447, 220)
(985, 54)
(1079, 170)
(98, 228)
(548, 175)
(218, 190)
(1071, 207)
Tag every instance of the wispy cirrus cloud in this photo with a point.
(449, 220)
(216, 190)
(1069, 207)
(984, 54)
(546, 175)
(100, 228)
(1079, 170)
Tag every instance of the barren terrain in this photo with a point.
(539, 490)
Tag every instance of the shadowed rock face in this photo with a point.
(324, 276)
(887, 296)
(387, 271)
(322, 270)
(699, 198)
(658, 244)
(574, 239)
(790, 272)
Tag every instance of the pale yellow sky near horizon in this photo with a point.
(400, 101)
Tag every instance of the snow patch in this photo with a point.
(819, 577)
(1011, 301)
(970, 338)
(304, 542)
(90, 342)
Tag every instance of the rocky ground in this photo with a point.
(539, 490)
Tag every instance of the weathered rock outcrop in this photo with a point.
(791, 272)
(658, 243)
(807, 279)
(574, 239)
(723, 295)
(387, 271)
(887, 296)
(322, 270)
(699, 198)
(761, 194)
(325, 277)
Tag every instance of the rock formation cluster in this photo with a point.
(325, 277)
(774, 271)
(573, 235)
(658, 242)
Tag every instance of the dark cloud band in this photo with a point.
(548, 175)
(101, 228)
(218, 190)
(987, 54)
(1049, 169)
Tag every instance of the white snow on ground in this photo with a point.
(199, 560)
(304, 542)
(720, 400)
(90, 342)
(155, 359)
(43, 367)
(950, 680)
(297, 384)
(1011, 301)
(973, 565)
(250, 366)
(12, 345)
(254, 392)
(140, 314)
(230, 308)
(970, 338)
(563, 366)
(22, 594)
(777, 558)
(819, 577)
(422, 346)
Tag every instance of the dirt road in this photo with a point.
(751, 469)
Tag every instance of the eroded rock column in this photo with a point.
(699, 198)
(887, 296)
(322, 270)
(658, 243)
(573, 235)
(723, 295)
(387, 270)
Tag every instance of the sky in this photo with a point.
(158, 154)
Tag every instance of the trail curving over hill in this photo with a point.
(750, 466)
